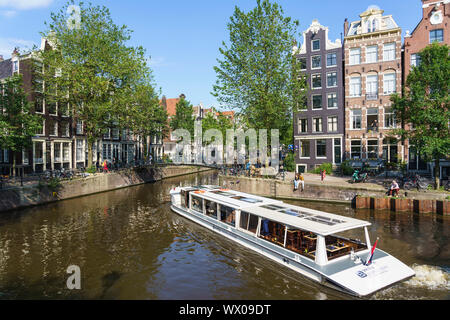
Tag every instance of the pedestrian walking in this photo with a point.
(322, 175)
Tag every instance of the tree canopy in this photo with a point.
(257, 73)
(424, 106)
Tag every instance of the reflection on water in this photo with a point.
(129, 245)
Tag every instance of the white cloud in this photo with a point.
(7, 46)
(157, 62)
(8, 13)
(25, 4)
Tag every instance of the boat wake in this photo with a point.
(429, 277)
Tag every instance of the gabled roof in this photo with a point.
(171, 106)
(6, 69)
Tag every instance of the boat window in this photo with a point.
(223, 193)
(343, 243)
(248, 222)
(227, 215)
(211, 209)
(301, 242)
(184, 198)
(296, 213)
(249, 200)
(273, 207)
(197, 204)
(325, 220)
(272, 231)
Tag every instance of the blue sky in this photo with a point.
(183, 37)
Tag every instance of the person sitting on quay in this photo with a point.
(301, 181)
(394, 189)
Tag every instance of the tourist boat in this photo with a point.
(319, 245)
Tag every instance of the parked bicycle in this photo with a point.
(416, 182)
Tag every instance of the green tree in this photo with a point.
(258, 74)
(184, 118)
(148, 118)
(18, 124)
(424, 107)
(220, 122)
(91, 68)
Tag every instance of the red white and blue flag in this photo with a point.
(369, 260)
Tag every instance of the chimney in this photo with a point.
(15, 52)
(345, 27)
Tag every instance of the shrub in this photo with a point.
(328, 167)
(91, 170)
(289, 163)
(346, 169)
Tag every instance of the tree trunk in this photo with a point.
(90, 154)
(14, 163)
(436, 172)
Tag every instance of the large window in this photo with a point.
(317, 101)
(437, 35)
(332, 101)
(248, 222)
(389, 118)
(372, 119)
(372, 54)
(302, 125)
(415, 60)
(321, 148)
(304, 149)
(372, 87)
(332, 79)
(79, 127)
(317, 125)
(355, 86)
(39, 152)
(197, 204)
(356, 149)
(316, 81)
(331, 59)
(302, 62)
(79, 150)
(66, 151)
(389, 51)
(372, 149)
(316, 62)
(355, 56)
(356, 116)
(211, 209)
(332, 124)
(389, 83)
(315, 45)
(227, 215)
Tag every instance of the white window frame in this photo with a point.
(300, 125)
(320, 62)
(354, 86)
(328, 100)
(372, 55)
(330, 73)
(321, 157)
(312, 81)
(334, 124)
(353, 118)
(312, 45)
(312, 101)
(314, 126)
(389, 51)
(389, 85)
(355, 52)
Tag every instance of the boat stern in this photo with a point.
(361, 280)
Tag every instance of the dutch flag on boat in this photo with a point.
(370, 257)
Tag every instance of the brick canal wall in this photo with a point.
(359, 197)
(29, 196)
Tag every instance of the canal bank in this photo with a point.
(335, 192)
(16, 198)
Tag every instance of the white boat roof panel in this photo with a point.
(318, 222)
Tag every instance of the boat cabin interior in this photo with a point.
(299, 241)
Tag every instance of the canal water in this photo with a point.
(130, 245)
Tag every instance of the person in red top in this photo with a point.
(322, 175)
(105, 166)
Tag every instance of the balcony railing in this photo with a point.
(372, 96)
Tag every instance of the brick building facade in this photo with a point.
(433, 27)
(319, 129)
(373, 71)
